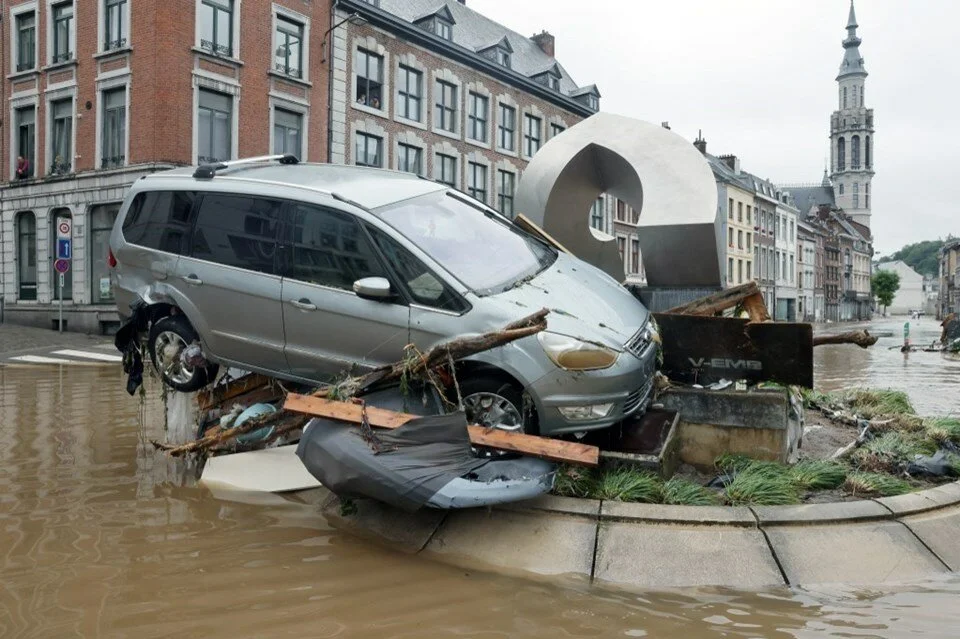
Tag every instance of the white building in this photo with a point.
(909, 296)
(807, 310)
(786, 255)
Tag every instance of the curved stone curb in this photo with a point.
(654, 546)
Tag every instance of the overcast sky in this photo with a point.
(758, 77)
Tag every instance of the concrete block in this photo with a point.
(821, 513)
(671, 556)
(408, 532)
(938, 530)
(866, 553)
(542, 543)
(659, 513)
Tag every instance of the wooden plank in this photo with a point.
(210, 398)
(551, 449)
(533, 228)
(727, 298)
(756, 307)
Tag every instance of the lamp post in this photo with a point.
(353, 18)
(356, 19)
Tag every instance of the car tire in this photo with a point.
(168, 336)
(489, 398)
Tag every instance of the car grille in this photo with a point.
(637, 398)
(640, 341)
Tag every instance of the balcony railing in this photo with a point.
(62, 57)
(110, 45)
(294, 72)
(59, 167)
(26, 66)
(113, 162)
(216, 49)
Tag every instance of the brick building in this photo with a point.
(101, 92)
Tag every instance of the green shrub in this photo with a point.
(757, 485)
(572, 481)
(627, 484)
(818, 474)
(861, 483)
(687, 493)
(879, 403)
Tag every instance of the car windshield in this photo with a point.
(475, 245)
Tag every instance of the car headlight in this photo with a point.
(572, 354)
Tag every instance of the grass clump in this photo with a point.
(684, 492)
(573, 482)
(759, 485)
(879, 403)
(863, 483)
(892, 450)
(818, 474)
(627, 484)
(943, 430)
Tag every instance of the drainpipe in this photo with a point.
(333, 21)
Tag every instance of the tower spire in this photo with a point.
(852, 60)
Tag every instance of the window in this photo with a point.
(447, 165)
(730, 237)
(102, 218)
(239, 231)
(621, 210)
(115, 27)
(410, 94)
(410, 159)
(215, 127)
(328, 248)
(841, 154)
(369, 150)
(445, 115)
(507, 181)
(841, 189)
(730, 270)
(635, 256)
(531, 134)
(730, 208)
(844, 97)
(26, 141)
(161, 220)
(739, 211)
(739, 271)
(443, 28)
(749, 271)
(867, 195)
(62, 142)
(67, 292)
(288, 56)
(596, 214)
(26, 41)
(114, 128)
(622, 248)
(740, 240)
(369, 69)
(749, 240)
(791, 269)
(27, 255)
(749, 215)
(556, 129)
(62, 32)
(216, 26)
(856, 195)
(866, 151)
(855, 152)
(791, 231)
(592, 100)
(783, 260)
(477, 120)
(477, 185)
(287, 132)
(503, 57)
(507, 128)
(861, 95)
(423, 286)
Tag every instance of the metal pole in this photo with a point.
(60, 295)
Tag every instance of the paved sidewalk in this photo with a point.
(19, 340)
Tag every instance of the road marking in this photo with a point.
(40, 359)
(103, 357)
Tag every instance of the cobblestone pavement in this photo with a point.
(30, 342)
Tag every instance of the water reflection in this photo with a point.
(101, 536)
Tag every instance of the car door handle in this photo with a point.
(304, 304)
(192, 279)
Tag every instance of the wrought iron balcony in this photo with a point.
(110, 45)
(65, 56)
(113, 162)
(216, 49)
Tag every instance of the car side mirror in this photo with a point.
(373, 288)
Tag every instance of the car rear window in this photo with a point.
(160, 220)
(239, 231)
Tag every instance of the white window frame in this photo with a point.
(49, 33)
(235, 45)
(479, 160)
(49, 98)
(409, 138)
(102, 27)
(16, 105)
(369, 127)
(445, 75)
(294, 107)
(15, 11)
(534, 113)
(426, 93)
(231, 89)
(505, 168)
(446, 148)
(370, 44)
(109, 85)
(506, 100)
(479, 89)
(304, 20)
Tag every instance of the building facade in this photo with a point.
(102, 93)
(786, 291)
(948, 294)
(910, 296)
(806, 273)
(737, 215)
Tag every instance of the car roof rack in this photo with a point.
(208, 171)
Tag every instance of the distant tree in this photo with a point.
(921, 256)
(885, 285)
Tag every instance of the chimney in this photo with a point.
(665, 125)
(700, 143)
(545, 41)
(732, 161)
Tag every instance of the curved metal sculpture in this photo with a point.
(655, 171)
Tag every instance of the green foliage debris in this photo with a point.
(818, 474)
(875, 484)
(758, 486)
(627, 484)
(683, 492)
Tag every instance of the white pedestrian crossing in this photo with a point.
(40, 359)
(103, 357)
(66, 356)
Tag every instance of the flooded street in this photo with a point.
(101, 536)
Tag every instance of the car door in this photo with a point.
(329, 328)
(232, 281)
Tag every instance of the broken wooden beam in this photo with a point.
(207, 399)
(748, 295)
(542, 447)
(861, 338)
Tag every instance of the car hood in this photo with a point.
(584, 302)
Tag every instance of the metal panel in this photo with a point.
(658, 300)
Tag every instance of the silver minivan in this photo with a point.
(306, 271)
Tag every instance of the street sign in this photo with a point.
(64, 227)
(62, 266)
(64, 248)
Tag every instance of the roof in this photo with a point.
(368, 187)
(807, 198)
(476, 32)
(852, 63)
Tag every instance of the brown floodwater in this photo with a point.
(100, 536)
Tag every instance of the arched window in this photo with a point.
(856, 195)
(55, 216)
(855, 152)
(844, 97)
(866, 151)
(27, 255)
(841, 189)
(841, 154)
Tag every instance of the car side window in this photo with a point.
(424, 287)
(238, 230)
(328, 247)
(160, 220)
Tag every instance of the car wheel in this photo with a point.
(495, 403)
(168, 337)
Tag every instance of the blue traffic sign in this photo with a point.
(64, 248)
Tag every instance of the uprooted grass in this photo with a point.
(627, 484)
(943, 430)
(875, 484)
(572, 481)
(818, 474)
(630, 485)
(758, 485)
(683, 492)
(892, 451)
